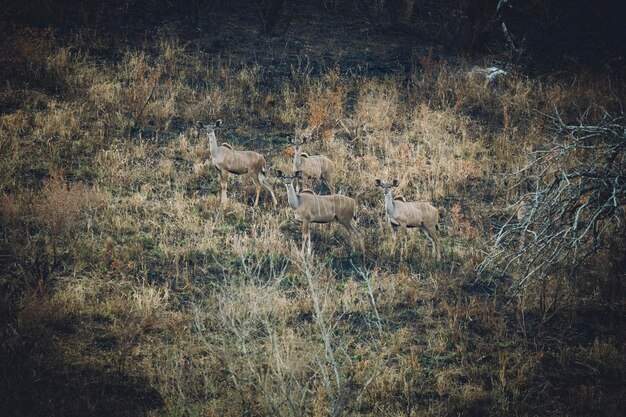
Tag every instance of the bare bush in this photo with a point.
(59, 207)
(45, 228)
(578, 197)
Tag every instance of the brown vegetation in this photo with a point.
(127, 289)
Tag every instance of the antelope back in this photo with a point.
(310, 165)
(429, 213)
(345, 207)
(317, 208)
(243, 161)
(417, 213)
(326, 165)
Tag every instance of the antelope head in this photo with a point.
(288, 179)
(209, 127)
(297, 143)
(297, 157)
(386, 186)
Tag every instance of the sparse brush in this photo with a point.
(119, 261)
(378, 106)
(60, 207)
(325, 103)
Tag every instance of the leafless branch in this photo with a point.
(578, 200)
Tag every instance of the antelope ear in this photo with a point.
(298, 175)
(218, 123)
(378, 182)
(395, 183)
(279, 173)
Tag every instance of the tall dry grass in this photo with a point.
(149, 278)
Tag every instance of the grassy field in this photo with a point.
(128, 289)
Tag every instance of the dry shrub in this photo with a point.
(78, 295)
(323, 109)
(607, 354)
(473, 396)
(162, 105)
(444, 85)
(70, 71)
(462, 224)
(504, 100)
(29, 49)
(427, 63)
(388, 385)
(150, 301)
(290, 110)
(256, 346)
(12, 150)
(352, 298)
(518, 98)
(289, 152)
(446, 152)
(59, 62)
(15, 123)
(171, 55)
(166, 168)
(142, 79)
(588, 93)
(472, 90)
(246, 88)
(225, 92)
(325, 102)
(105, 94)
(111, 165)
(257, 302)
(208, 104)
(60, 207)
(44, 229)
(59, 122)
(8, 208)
(378, 105)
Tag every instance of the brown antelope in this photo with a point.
(403, 214)
(227, 160)
(317, 167)
(312, 208)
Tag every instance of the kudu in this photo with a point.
(405, 215)
(317, 167)
(229, 161)
(312, 208)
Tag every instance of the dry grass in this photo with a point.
(214, 307)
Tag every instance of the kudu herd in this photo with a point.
(310, 207)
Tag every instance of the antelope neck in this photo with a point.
(215, 150)
(389, 203)
(297, 160)
(291, 196)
